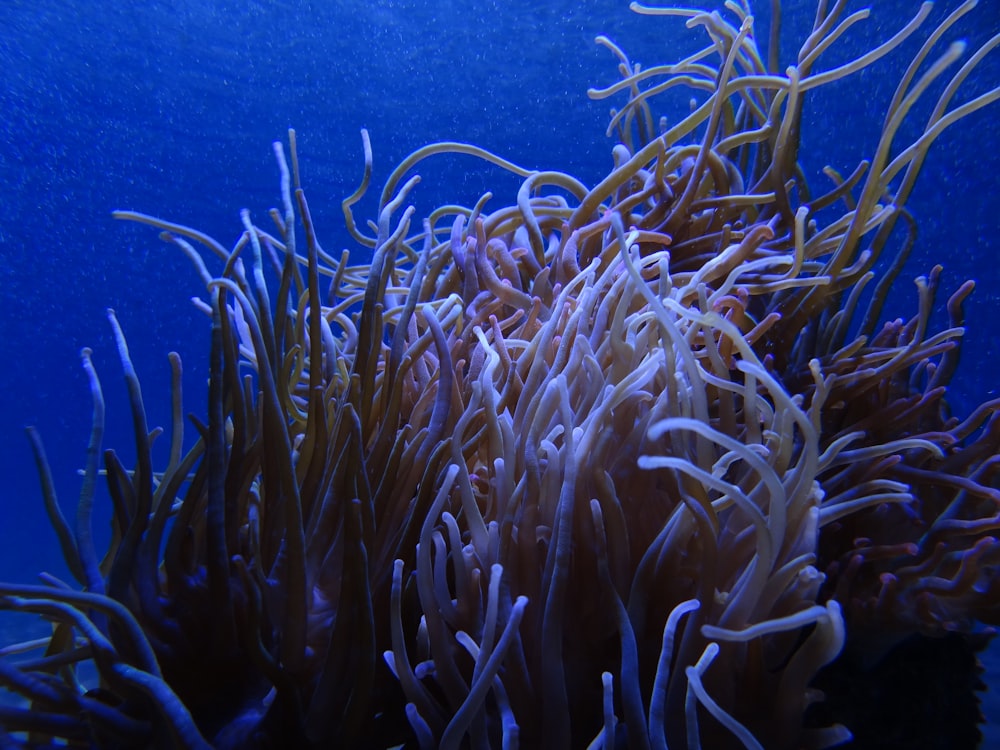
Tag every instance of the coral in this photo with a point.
(618, 465)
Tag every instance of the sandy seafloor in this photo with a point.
(170, 107)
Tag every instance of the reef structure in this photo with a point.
(610, 466)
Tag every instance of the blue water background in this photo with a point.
(171, 107)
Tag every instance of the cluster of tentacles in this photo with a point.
(610, 466)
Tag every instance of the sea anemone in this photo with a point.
(620, 465)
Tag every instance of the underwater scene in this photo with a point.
(542, 375)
